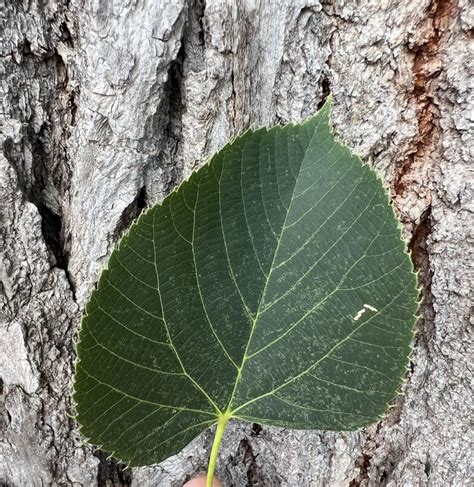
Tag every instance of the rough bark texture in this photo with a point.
(107, 105)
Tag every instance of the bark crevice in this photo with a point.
(426, 67)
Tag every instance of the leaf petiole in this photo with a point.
(223, 420)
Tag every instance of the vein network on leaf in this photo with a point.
(272, 286)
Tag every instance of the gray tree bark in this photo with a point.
(107, 105)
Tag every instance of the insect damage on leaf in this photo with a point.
(363, 310)
(273, 286)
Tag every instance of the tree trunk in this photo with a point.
(109, 104)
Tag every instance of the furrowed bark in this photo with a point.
(108, 105)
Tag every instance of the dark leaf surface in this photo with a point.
(273, 286)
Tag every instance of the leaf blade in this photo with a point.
(283, 238)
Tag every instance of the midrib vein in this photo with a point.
(271, 268)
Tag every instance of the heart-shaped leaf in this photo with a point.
(273, 286)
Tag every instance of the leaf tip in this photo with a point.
(325, 111)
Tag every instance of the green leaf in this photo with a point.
(273, 286)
